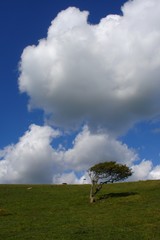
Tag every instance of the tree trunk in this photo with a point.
(92, 197)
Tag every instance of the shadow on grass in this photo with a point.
(4, 212)
(117, 195)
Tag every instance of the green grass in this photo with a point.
(123, 211)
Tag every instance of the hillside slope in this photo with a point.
(63, 212)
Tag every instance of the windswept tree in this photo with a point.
(106, 172)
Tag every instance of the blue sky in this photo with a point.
(131, 124)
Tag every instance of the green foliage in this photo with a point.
(124, 211)
(109, 172)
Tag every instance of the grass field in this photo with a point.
(123, 211)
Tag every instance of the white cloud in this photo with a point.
(145, 170)
(32, 159)
(91, 148)
(106, 73)
(141, 171)
(155, 173)
(69, 178)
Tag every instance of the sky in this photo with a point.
(79, 85)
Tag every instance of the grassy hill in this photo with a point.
(123, 211)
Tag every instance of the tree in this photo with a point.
(106, 172)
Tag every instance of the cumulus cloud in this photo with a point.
(91, 148)
(155, 173)
(141, 171)
(106, 74)
(32, 159)
(69, 178)
(145, 170)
